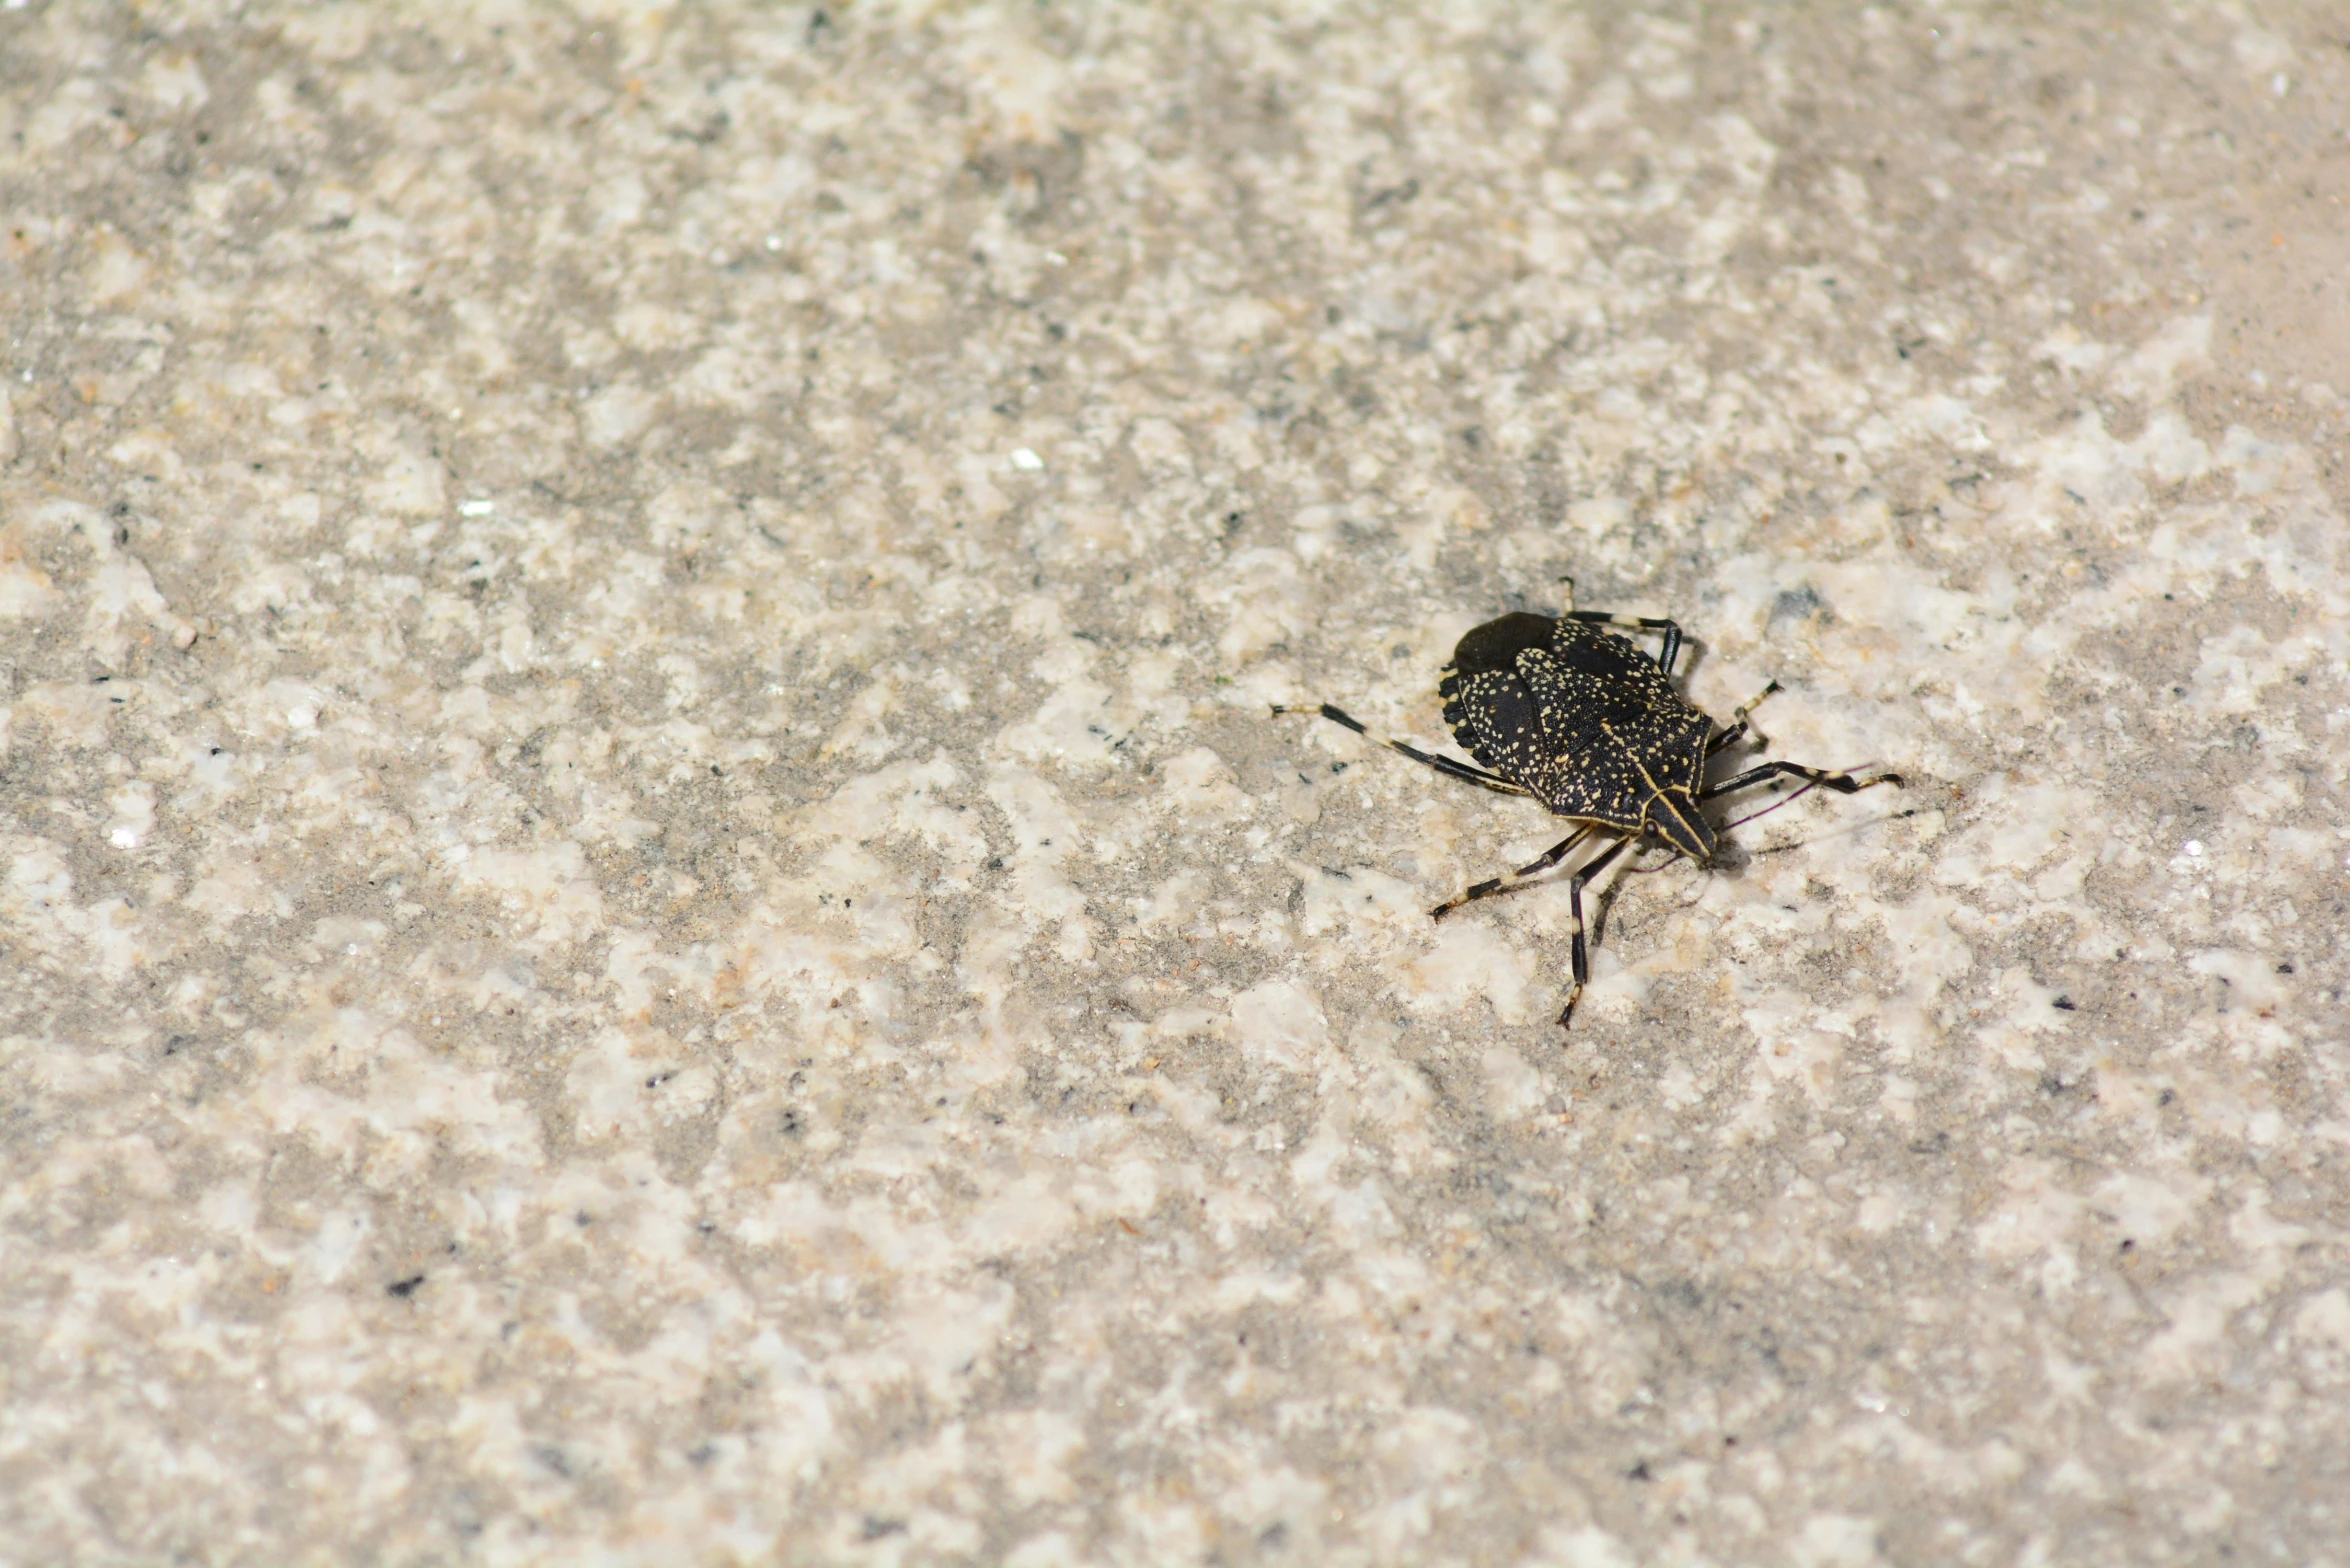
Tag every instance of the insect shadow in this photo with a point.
(1562, 709)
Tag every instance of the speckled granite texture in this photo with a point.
(652, 914)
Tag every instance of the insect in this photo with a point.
(1562, 709)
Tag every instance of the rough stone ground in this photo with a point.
(652, 913)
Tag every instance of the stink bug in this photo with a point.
(1580, 719)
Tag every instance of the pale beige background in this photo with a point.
(651, 913)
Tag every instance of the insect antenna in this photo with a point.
(1790, 800)
(1773, 806)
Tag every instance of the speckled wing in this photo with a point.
(1581, 717)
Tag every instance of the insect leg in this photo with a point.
(1739, 724)
(1577, 952)
(1842, 783)
(1638, 623)
(1502, 884)
(1444, 765)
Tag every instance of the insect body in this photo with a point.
(1564, 710)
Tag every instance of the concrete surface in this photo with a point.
(652, 913)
